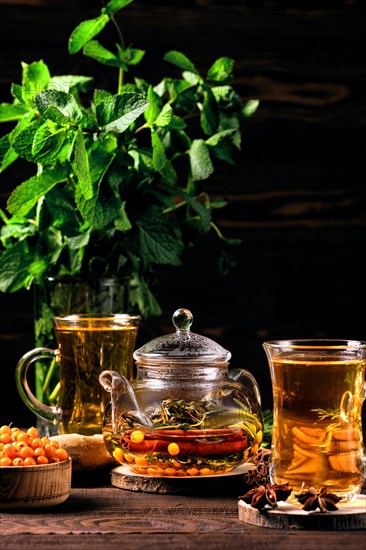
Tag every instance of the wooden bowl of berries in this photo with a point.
(34, 470)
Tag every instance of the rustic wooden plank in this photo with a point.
(101, 517)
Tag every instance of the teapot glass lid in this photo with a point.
(182, 345)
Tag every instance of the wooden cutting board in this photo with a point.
(287, 516)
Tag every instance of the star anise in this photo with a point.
(312, 500)
(271, 493)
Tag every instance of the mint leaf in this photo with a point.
(130, 56)
(181, 61)
(200, 161)
(98, 52)
(16, 230)
(100, 158)
(70, 82)
(118, 112)
(9, 112)
(48, 141)
(81, 166)
(61, 101)
(14, 264)
(52, 245)
(203, 212)
(154, 107)
(165, 116)
(250, 107)
(22, 139)
(115, 5)
(60, 206)
(224, 146)
(160, 243)
(101, 95)
(209, 114)
(122, 223)
(26, 195)
(7, 153)
(17, 92)
(79, 241)
(221, 70)
(35, 77)
(85, 32)
(100, 210)
(159, 157)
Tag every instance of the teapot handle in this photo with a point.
(241, 375)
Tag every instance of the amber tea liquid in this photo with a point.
(317, 432)
(85, 351)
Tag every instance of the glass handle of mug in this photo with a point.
(52, 414)
(241, 375)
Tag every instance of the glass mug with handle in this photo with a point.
(318, 391)
(87, 345)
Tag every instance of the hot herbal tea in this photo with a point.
(317, 432)
(84, 352)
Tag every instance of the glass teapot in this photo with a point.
(185, 413)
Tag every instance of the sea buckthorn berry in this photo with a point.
(173, 449)
(29, 461)
(42, 460)
(61, 454)
(129, 458)
(118, 454)
(5, 429)
(26, 452)
(5, 461)
(14, 435)
(39, 451)
(206, 472)
(10, 451)
(33, 432)
(37, 442)
(170, 472)
(5, 438)
(18, 461)
(22, 436)
(137, 436)
(140, 461)
(49, 450)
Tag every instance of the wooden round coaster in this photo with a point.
(224, 484)
(350, 516)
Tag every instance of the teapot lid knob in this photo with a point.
(182, 319)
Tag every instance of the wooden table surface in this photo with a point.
(106, 517)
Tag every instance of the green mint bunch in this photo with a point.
(118, 177)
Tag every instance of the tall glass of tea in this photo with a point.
(318, 391)
(86, 345)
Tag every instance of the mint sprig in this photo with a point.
(118, 177)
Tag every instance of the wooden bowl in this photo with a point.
(35, 486)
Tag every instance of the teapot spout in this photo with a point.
(117, 384)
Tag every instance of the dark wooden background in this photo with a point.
(298, 200)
